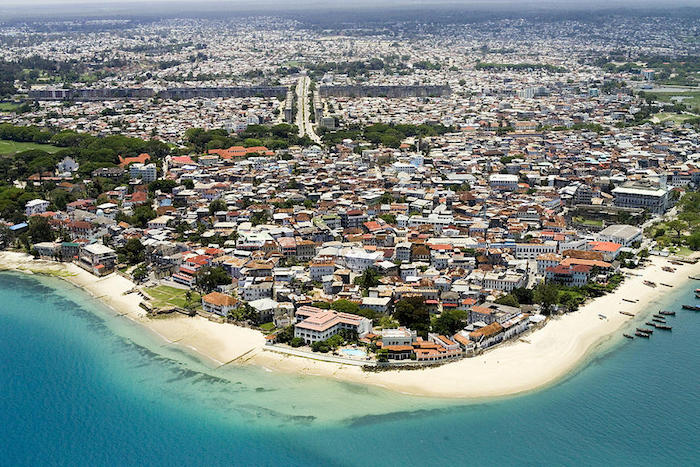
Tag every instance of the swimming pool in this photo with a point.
(354, 352)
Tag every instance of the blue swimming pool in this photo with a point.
(354, 352)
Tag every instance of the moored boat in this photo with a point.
(648, 331)
(665, 327)
(628, 336)
(659, 320)
(641, 334)
(626, 313)
(667, 313)
(650, 283)
(691, 307)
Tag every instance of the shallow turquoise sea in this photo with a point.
(82, 386)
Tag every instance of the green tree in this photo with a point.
(677, 225)
(217, 205)
(450, 321)
(413, 313)
(369, 278)
(508, 300)
(547, 295)
(345, 306)
(134, 252)
(40, 230)
(208, 278)
(140, 273)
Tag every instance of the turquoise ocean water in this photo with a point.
(81, 386)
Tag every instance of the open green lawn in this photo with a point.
(164, 296)
(591, 222)
(8, 106)
(676, 118)
(13, 147)
(690, 98)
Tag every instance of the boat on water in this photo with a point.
(665, 327)
(648, 331)
(627, 313)
(628, 300)
(691, 307)
(658, 315)
(649, 323)
(665, 285)
(667, 313)
(641, 334)
(650, 283)
(628, 336)
(695, 278)
(659, 320)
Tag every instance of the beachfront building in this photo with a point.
(315, 325)
(625, 235)
(570, 275)
(218, 303)
(487, 336)
(97, 258)
(398, 336)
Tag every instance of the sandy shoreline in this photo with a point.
(542, 358)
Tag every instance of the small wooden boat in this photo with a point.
(695, 278)
(691, 307)
(628, 300)
(657, 315)
(601, 316)
(628, 336)
(650, 283)
(627, 313)
(665, 327)
(649, 323)
(659, 320)
(667, 313)
(665, 285)
(648, 331)
(668, 269)
(641, 334)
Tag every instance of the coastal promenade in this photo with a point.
(547, 355)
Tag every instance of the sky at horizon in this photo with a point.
(347, 3)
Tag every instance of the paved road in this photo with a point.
(303, 119)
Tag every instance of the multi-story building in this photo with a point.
(145, 172)
(36, 206)
(314, 324)
(218, 303)
(653, 199)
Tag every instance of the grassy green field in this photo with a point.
(8, 106)
(13, 147)
(591, 222)
(676, 118)
(164, 296)
(691, 98)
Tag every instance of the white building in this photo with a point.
(653, 199)
(358, 259)
(533, 250)
(36, 206)
(625, 235)
(506, 182)
(314, 324)
(146, 172)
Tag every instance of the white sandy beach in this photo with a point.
(541, 358)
